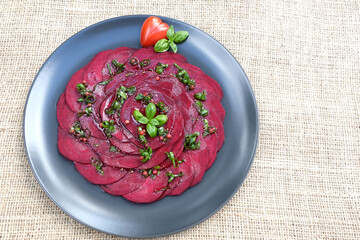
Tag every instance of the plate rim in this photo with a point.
(240, 183)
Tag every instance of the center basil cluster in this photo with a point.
(150, 120)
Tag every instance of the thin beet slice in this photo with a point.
(215, 121)
(126, 147)
(73, 149)
(99, 97)
(112, 156)
(150, 190)
(211, 100)
(129, 183)
(187, 178)
(121, 55)
(71, 93)
(107, 175)
(65, 116)
(91, 127)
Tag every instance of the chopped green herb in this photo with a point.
(172, 158)
(77, 130)
(183, 77)
(134, 61)
(109, 127)
(119, 66)
(162, 107)
(200, 108)
(114, 149)
(145, 62)
(208, 130)
(190, 141)
(201, 96)
(144, 99)
(109, 69)
(146, 154)
(160, 68)
(173, 176)
(98, 165)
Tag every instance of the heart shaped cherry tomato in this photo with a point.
(152, 30)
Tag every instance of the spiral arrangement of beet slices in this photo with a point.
(97, 129)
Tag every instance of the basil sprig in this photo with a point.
(150, 120)
(173, 37)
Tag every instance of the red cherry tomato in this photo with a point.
(152, 30)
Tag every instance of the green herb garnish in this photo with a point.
(172, 158)
(114, 149)
(144, 99)
(183, 77)
(146, 154)
(208, 130)
(165, 44)
(98, 165)
(201, 96)
(173, 176)
(190, 141)
(160, 68)
(109, 127)
(200, 108)
(145, 62)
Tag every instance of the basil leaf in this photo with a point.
(137, 115)
(162, 45)
(162, 119)
(170, 33)
(152, 130)
(173, 47)
(180, 36)
(150, 110)
(143, 120)
(154, 122)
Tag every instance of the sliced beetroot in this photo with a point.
(94, 74)
(120, 152)
(129, 183)
(91, 127)
(105, 104)
(199, 77)
(99, 96)
(121, 55)
(105, 175)
(64, 114)
(114, 157)
(126, 147)
(150, 190)
(158, 156)
(211, 100)
(73, 149)
(215, 121)
(187, 178)
(71, 93)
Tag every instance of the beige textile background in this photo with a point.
(302, 59)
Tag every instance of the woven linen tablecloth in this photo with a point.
(302, 59)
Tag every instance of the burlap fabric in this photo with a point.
(302, 59)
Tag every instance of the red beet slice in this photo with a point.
(107, 176)
(91, 127)
(150, 190)
(65, 116)
(73, 149)
(126, 147)
(187, 178)
(113, 158)
(71, 92)
(129, 183)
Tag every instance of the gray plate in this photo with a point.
(86, 202)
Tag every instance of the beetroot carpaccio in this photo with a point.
(141, 124)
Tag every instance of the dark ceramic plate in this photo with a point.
(86, 202)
